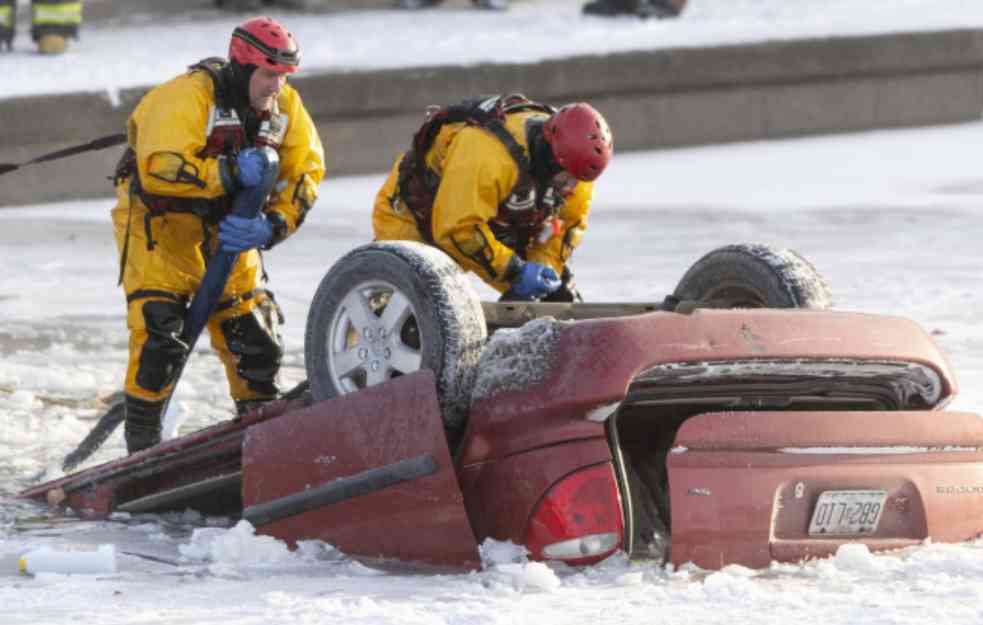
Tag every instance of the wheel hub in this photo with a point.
(379, 343)
(368, 345)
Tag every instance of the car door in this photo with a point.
(369, 473)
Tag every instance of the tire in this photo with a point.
(434, 321)
(750, 275)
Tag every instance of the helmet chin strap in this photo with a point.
(239, 85)
(541, 162)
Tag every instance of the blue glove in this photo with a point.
(250, 165)
(237, 234)
(534, 281)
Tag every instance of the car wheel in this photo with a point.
(751, 275)
(390, 308)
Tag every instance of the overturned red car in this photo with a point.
(739, 421)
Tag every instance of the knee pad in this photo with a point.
(254, 339)
(164, 351)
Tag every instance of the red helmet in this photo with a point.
(581, 140)
(264, 42)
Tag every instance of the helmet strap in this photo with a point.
(542, 165)
(239, 76)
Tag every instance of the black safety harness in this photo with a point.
(417, 184)
(227, 135)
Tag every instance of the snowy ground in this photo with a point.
(891, 218)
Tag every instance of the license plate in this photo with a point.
(847, 512)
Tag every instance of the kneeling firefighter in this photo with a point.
(227, 134)
(503, 185)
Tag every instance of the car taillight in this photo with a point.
(579, 520)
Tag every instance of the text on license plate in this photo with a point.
(847, 512)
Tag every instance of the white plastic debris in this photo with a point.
(48, 560)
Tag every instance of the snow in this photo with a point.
(238, 546)
(495, 552)
(602, 412)
(891, 219)
(515, 358)
(506, 565)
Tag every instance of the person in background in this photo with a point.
(8, 23)
(659, 9)
(503, 186)
(53, 23)
(226, 132)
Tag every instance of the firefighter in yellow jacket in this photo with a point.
(503, 185)
(198, 144)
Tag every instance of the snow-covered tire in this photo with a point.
(752, 275)
(390, 308)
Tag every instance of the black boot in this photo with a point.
(240, 5)
(659, 9)
(642, 8)
(416, 4)
(610, 7)
(245, 406)
(493, 5)
(142, 426)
